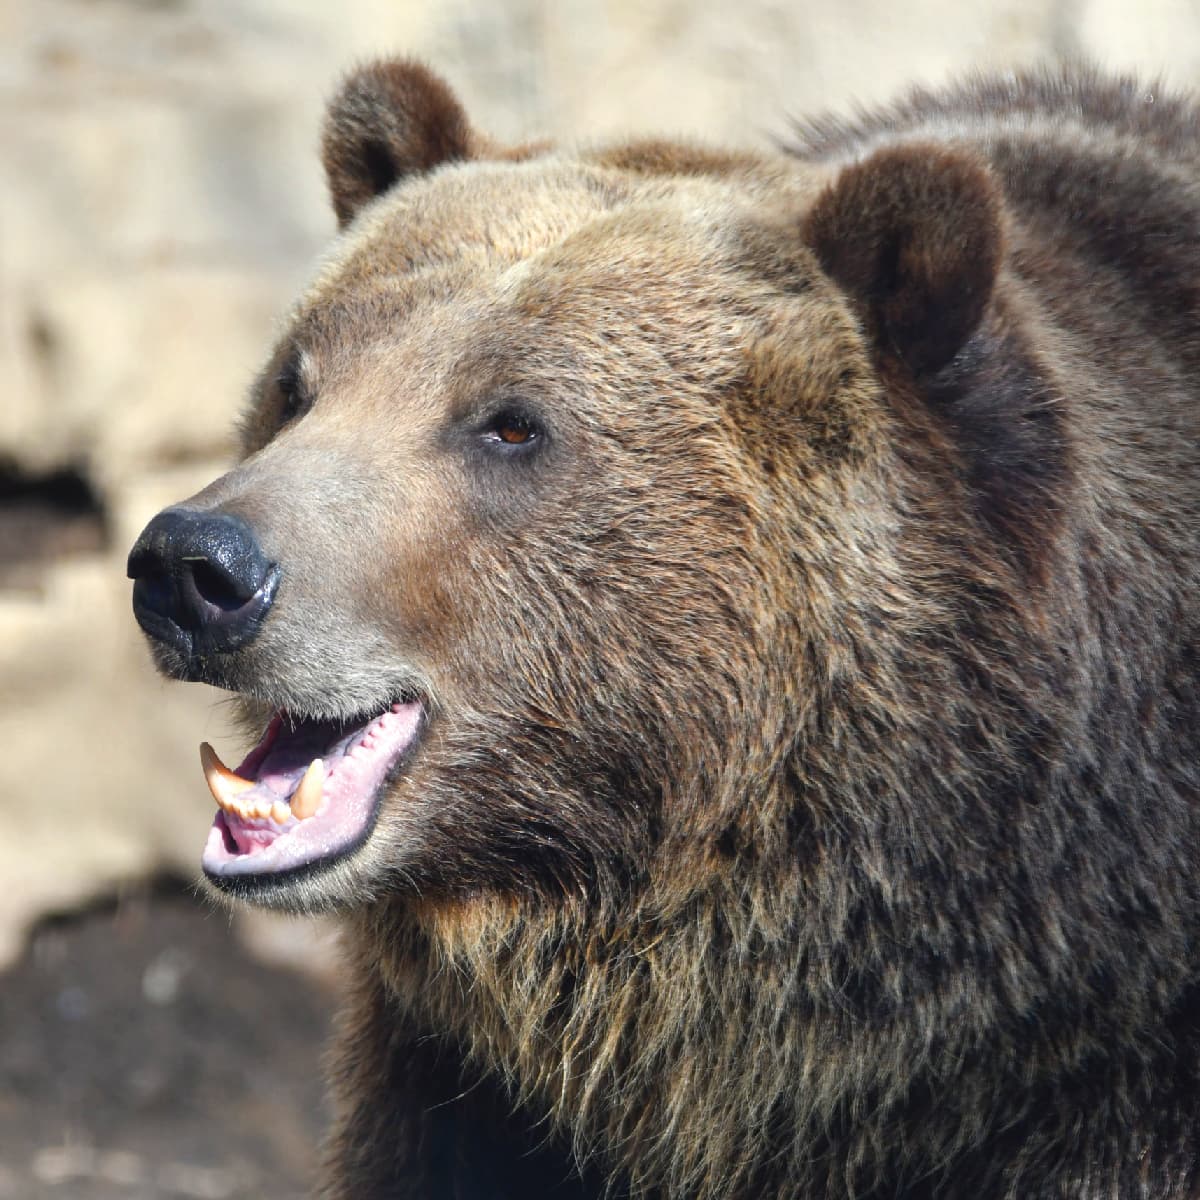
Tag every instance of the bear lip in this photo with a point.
(359, 758)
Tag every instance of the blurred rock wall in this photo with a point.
(160, 200)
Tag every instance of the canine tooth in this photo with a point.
(280, 812)
(224, 784)
(307, 797)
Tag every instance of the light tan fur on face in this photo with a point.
(481, 278)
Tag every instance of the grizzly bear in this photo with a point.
(725, 627)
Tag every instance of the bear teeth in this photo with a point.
(225, 785)
(228, 789)
(306, 799)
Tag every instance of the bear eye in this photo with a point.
(511, 428)
(294, 402)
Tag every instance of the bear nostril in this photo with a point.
(218, 588)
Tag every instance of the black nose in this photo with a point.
(202, 583)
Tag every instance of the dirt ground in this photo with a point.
(145, 1055)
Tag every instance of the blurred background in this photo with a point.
(160, 202)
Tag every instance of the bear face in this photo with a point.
(459, 489)
(697, 607)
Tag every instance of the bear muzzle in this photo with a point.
(308, 793)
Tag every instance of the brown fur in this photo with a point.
(808, 805)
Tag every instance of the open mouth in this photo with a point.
(308, 793)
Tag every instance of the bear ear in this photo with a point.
(388, 120)
(914, 235)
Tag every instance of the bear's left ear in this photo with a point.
(388, 120)
(914, 235)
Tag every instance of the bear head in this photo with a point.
(558, 492)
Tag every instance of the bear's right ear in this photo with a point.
(388, 120)
(914, 235)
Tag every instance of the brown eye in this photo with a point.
(293, 402)
(512, 428)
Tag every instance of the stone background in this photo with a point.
(160, 200)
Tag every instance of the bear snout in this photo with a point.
(202, 583)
